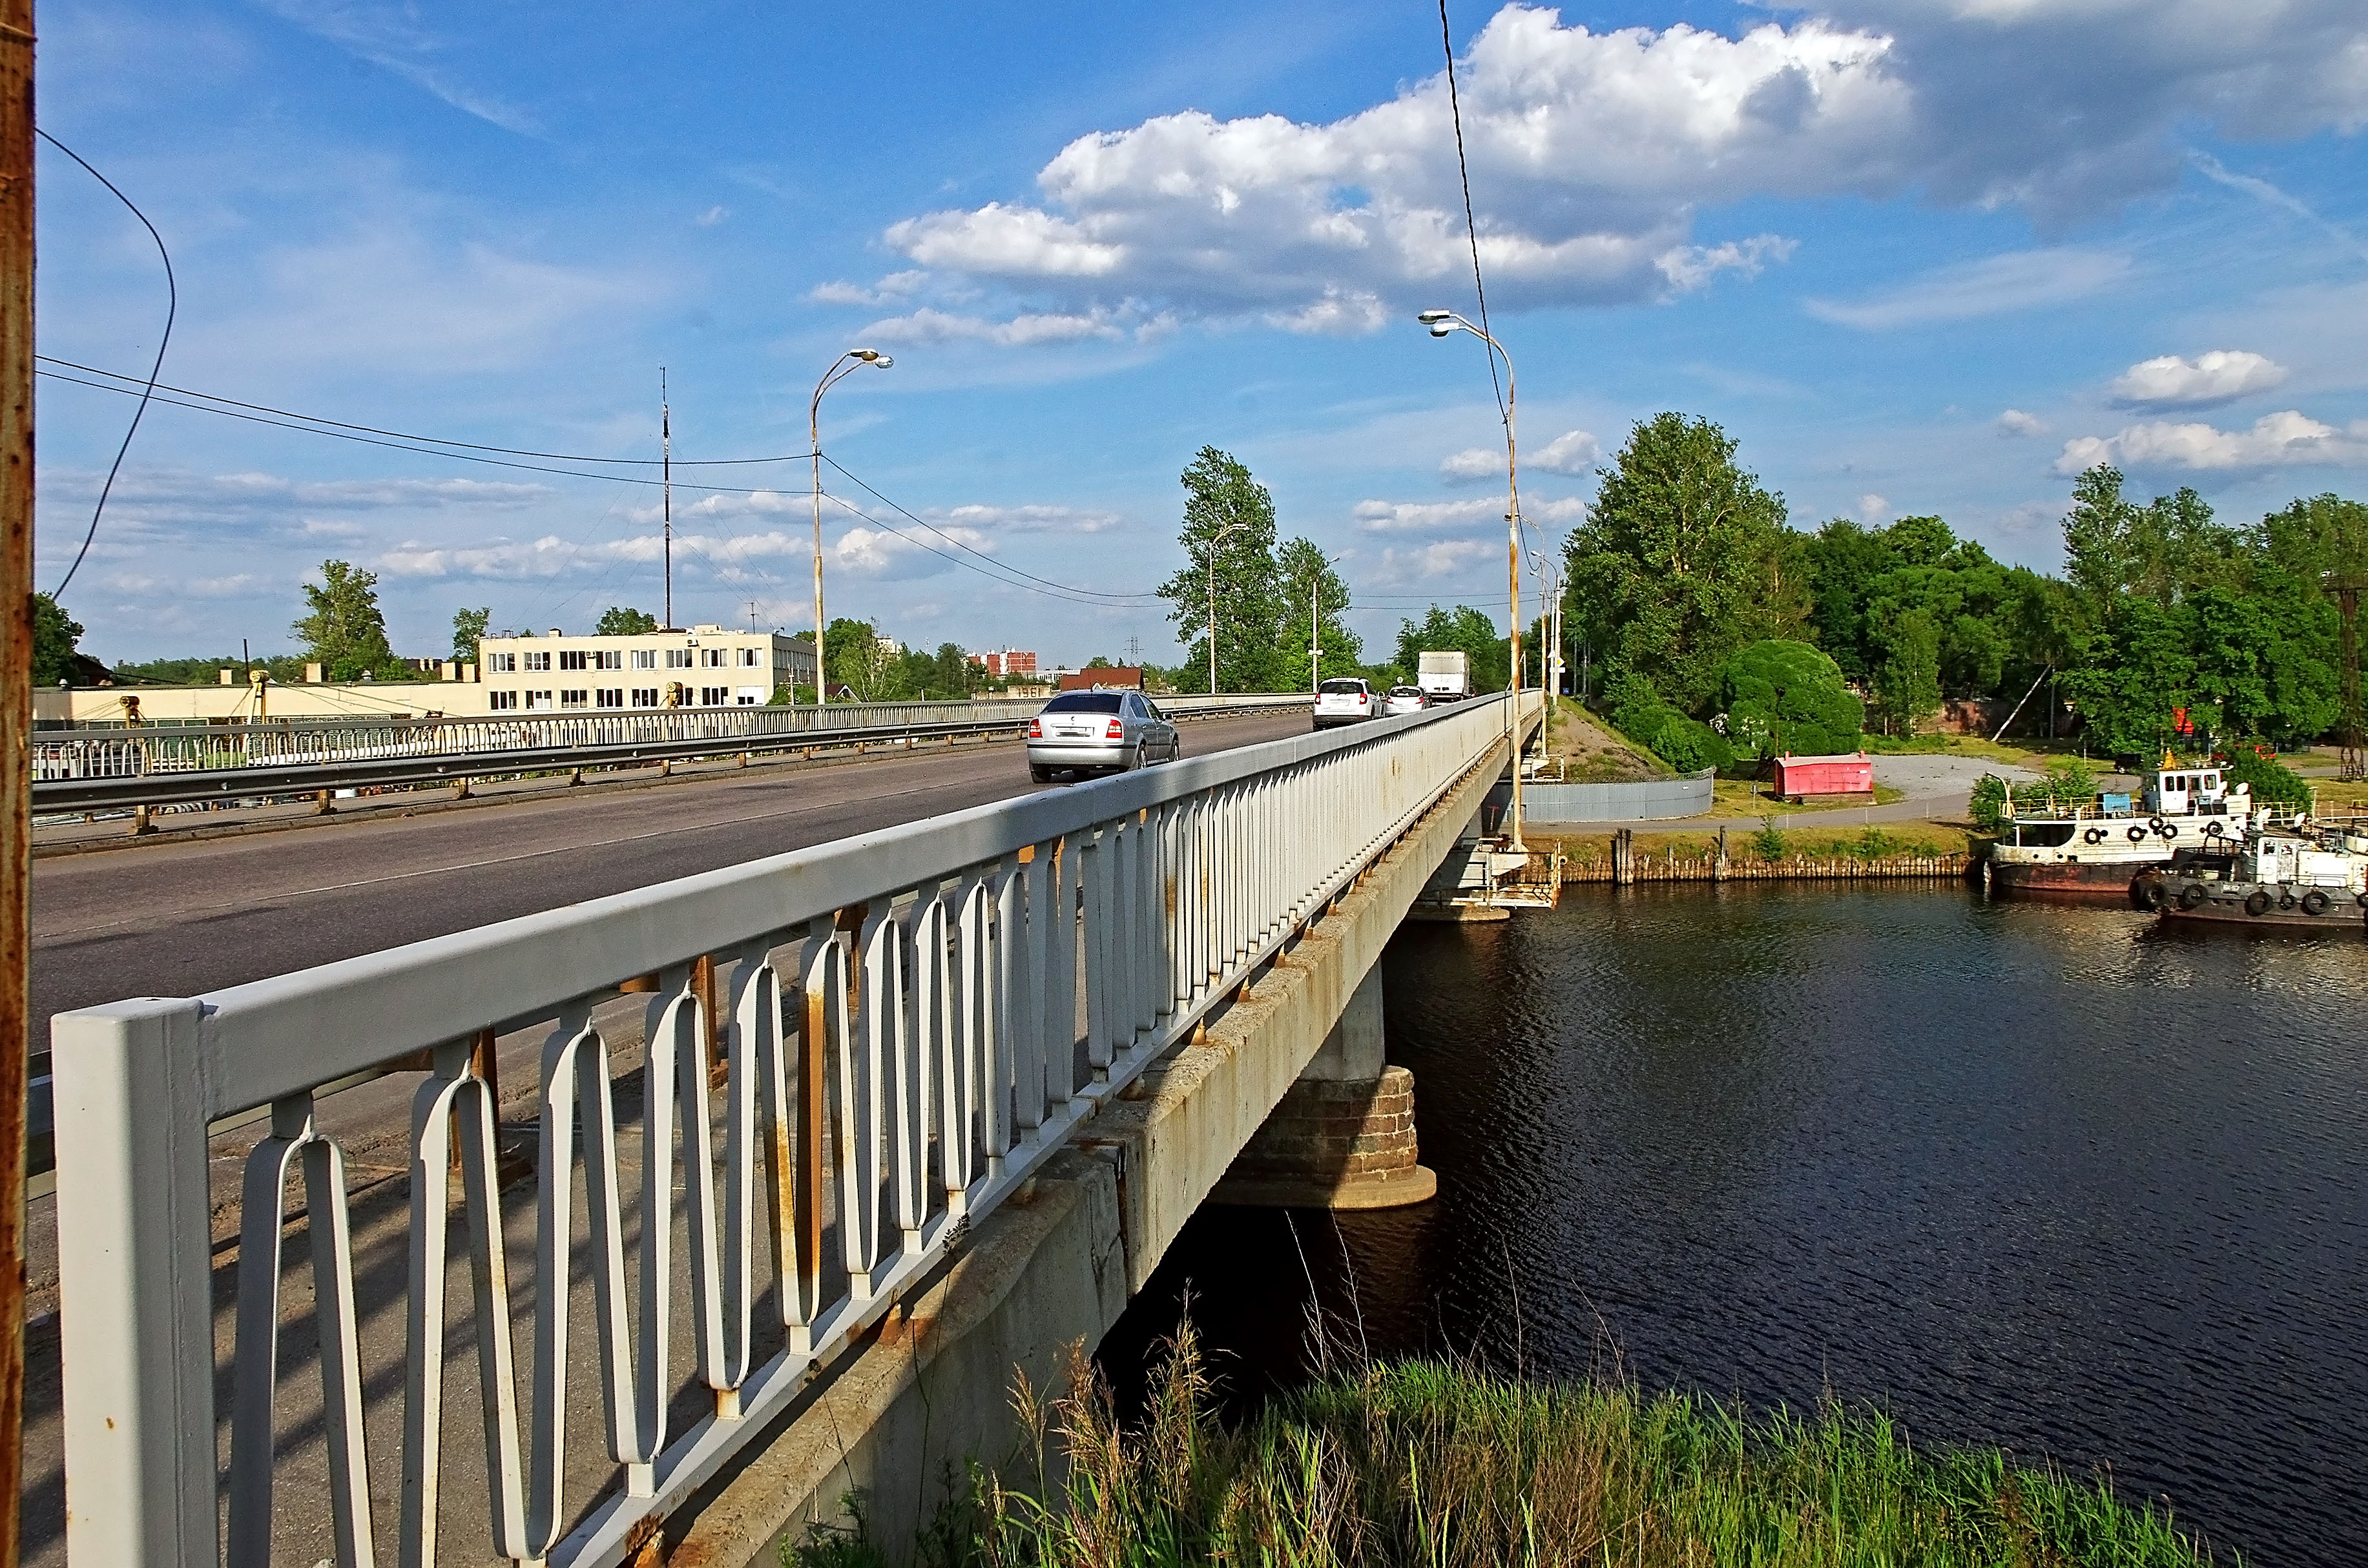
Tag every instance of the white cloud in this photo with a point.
(1447, 516)
(1424, 564)
(887, 290)
(978, 522)
(2285, 439)
(1593, 155)
(930, 325)
(712, 217)
(390, 37)
(1571, 452)
(2217, 376)
(2019, 280)
(2015, 422)
(1872, 508)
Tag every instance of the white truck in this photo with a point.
(1444, 678)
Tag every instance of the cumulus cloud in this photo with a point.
(930, 325)
(1425, 564)
(1593, 155)
(2015, 422)
(1996, 285)
(1456, 517)
(887, 290)
(2286, 439)
(1571, 452)
(981, 521)
(2211, 378)
(1872, 508)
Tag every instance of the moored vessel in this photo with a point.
(2096, 849)
(2307, 875)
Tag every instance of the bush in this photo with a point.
(1817, 716)
(2069, 782)
(1768, 840)
(1987, 805)
(1686, 744)
(2270, 781)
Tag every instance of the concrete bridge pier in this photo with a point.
(1343, 1136)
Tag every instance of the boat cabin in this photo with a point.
(2187, 791)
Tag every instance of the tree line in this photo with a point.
(1702, 603)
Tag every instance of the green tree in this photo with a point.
(854, 660)
(1229, 516)
(468, 630)
(1684, 558)
(346, 633)
(56, 638)
(953, 673)
(1907, 683)
(621, 621)
(1464, 630)
(1782, 696)
(1311, 587)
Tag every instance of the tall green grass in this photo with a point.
(1421, 1464)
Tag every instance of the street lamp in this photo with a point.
(1215, 539)
(846, 366)
(1441, 324)
(1316, 625)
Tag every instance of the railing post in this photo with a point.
(134, 1269)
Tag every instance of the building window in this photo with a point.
(538, 700)
(714, 695)
(751, 696)
(712, 658)
(646, 697)
(538, 660)
(576, 699)
(501, 701)
(644, 659)
(679, 658)
(609, 659)
(501, 664)
(747, 658)
(571, 659)
(610, 696)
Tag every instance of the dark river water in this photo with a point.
(2020, 1174)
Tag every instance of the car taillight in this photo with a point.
(1035, 729)
(1116, 732)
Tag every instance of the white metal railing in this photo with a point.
(904, 1026)
(121, 752)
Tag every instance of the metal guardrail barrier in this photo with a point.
(114, 768)
(898, 1020)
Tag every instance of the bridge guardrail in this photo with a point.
(907, 1023)
(115, 768)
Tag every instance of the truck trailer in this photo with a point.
(1444, 678)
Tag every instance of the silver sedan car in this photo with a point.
(1088, 732)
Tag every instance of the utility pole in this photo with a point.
(16, 723)
(666, 460)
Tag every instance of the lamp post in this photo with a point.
(1442, 323)
(1316, 628)
(845, 366)
(1215, 539)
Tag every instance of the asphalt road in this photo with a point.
(181, 920)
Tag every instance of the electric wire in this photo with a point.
(172, 309)
(432, 441)
(1095, 593)
(1471, 223)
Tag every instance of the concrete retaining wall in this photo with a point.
(1654, 800)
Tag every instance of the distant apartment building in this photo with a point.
(1006, 662)
(706, 666)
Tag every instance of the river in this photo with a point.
(2020, 1174)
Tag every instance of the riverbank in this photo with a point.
(1424, 1462)
(1928, 852)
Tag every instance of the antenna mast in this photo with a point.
(666, 449)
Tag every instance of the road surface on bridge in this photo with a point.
(184, 919)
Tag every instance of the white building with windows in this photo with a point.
(706, 666)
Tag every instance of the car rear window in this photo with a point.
(1406, 691)
(1344, 687)
(1085, 702)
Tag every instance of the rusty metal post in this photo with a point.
(15, 721)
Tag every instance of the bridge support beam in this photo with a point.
(1343, 1136)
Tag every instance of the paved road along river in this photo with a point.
(2045, 1177)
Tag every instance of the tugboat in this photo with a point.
(2311, 875)
(2097, 848)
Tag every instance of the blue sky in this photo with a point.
(1917, 255)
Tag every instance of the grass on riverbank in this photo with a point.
(1424, 1463)
(1748, 840)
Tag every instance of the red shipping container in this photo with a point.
(1847, 777)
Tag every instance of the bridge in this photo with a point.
(916, 1109)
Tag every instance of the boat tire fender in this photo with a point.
(2258, 901)
(2314, 903)
(2154, 823)
(2168, 830)
(2094, 836)
(2191, 895)
(2154, 895)
(2285, 901)
(2212, 829)
(2137, 835)
(2361, 899)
